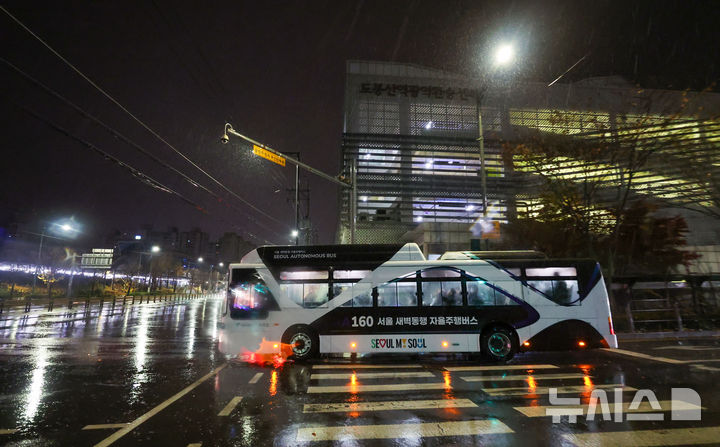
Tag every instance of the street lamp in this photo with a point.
(220, 264)
(155, 249)
(65, 228)
(504, 55)
(200, 259)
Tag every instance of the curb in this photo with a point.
(630, 336)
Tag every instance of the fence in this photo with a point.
(28, 303)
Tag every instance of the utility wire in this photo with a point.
(136, 119)
(144, 178)
(149, 181)
(125, 139)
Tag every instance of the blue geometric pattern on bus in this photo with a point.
(533, 314)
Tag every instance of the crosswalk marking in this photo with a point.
(522, 390)
(103, 426)
(256, 377)
(706, 368)
(381, 375)
(670, 436)
(353, 388)
(393, 431)
(497, 367)
(230, 406)
(523, 377)
(665, 405)
(643, 356)
(388, 405)
(364, 366)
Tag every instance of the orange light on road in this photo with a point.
(581, 344)
(526, 343)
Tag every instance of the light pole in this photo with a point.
(504, 56)
(345, 183)
(66, 228)
(153, 250)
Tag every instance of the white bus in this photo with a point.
(305, 301)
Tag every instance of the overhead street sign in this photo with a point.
(260, 152)
(100, 258)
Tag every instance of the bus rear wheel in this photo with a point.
(498, 343)
(304, 343)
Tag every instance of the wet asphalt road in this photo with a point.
(152, 371)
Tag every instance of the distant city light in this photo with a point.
(138, 237)
(469, 207)
(418, 219)
(294, 233)
(429, 125)
(155, 249)
(200, 259)
(428, 164)
(364, 198)
(220, 264)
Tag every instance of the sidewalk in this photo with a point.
(640, 336)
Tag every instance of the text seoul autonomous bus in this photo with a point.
(303, 301)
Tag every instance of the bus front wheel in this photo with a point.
(304, 343)
(498, 343)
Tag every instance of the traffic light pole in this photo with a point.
(342, 182)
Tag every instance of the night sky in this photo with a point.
(275, 70)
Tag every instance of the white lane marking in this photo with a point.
(256, 377)
(393, 431)
(706, 368)
(350, 388)
(523, 377)
(665, 405)
(388, 405)
(134, 424)
(382, 375)
(643, 356)
(364, 366)
(230, 406)
(7, 431)
(523, 390)
(498, 367)
(103, 426)
(667, 436)
(690, 348)
(195, 444)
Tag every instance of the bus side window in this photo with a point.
(339, 288)
(387, 295)
(479, 293)
(294, 292)
(431, 294)
(442, 293)
(560, 291)
(363, 299)
(315, 295)
(407, 294)
(505, 288)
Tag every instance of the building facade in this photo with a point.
(412, 134)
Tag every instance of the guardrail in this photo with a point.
(28, 304)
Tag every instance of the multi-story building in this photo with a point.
(412, 133)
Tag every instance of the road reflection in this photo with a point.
(34, 391)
